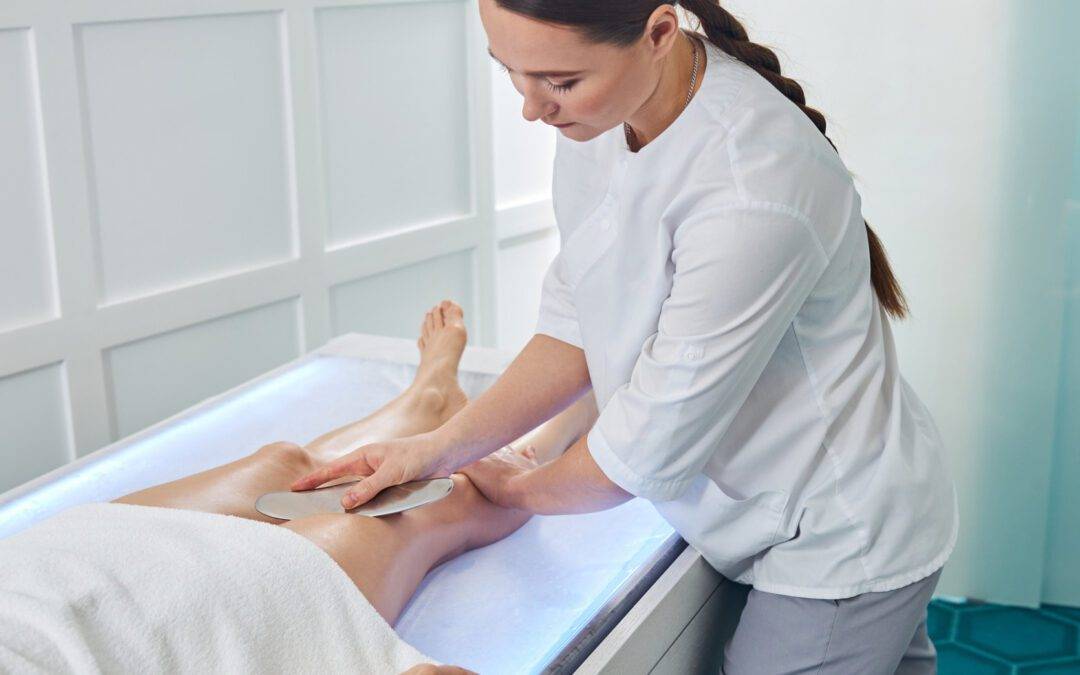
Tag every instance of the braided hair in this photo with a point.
(623, 22)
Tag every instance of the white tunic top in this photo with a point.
(718, 281)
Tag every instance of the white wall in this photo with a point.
(195, 191)
(956, 119)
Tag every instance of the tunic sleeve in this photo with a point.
(558, 316)
(741, 274)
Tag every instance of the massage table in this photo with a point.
(616, 591)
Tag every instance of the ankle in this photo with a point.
(428, 398)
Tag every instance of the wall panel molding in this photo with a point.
(207, 120)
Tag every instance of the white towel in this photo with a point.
(120, 588)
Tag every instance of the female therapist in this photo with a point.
(719, 290)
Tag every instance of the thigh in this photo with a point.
(869, 633)
(780, 634)
(921, 656)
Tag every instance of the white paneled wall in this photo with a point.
(524, 223)
(26, 247)
(418, 132)
(186, 127)
(522, 263)
(195, 191)
(33, 410)
(152, 378)
(351, 302)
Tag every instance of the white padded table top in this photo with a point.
(508, 607)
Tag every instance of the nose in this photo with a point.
(536, 108)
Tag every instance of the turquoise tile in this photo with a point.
(1065, 668)
(956, 660)
(940, 619)
(1071, 613)
(1017, 635)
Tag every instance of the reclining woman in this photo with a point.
(385, 557)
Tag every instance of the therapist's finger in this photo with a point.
(347, 465)
(368, 487)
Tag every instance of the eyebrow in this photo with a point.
(539, 73)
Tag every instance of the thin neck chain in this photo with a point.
(689, 94)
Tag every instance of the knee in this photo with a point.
(290, 455)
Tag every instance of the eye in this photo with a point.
(560, 88)
(557, 88)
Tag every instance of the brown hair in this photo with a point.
(623, 22)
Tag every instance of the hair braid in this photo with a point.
(728, 34)
(622, 22)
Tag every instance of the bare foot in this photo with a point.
(442, 341)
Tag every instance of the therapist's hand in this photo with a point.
(498, 474)
(381, 465)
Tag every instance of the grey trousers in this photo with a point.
(872, 633)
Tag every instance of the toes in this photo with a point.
(452, 311)
(440, 320)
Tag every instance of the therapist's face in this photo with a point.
(603, 85)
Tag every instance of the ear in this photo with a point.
(662, 30)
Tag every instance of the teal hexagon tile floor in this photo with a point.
(976, 638)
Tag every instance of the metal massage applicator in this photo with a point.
(292, 505)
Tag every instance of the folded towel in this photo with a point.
(125, 588)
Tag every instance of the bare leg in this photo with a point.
(433, 397)
(387, 557)
(553, 437)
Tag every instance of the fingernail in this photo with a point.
(349, 501)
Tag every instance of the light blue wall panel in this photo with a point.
(1022, 330)
(188, 142)
(159, 376)
(394, 116)
(27, 293)
(393, 303)
(1061, 584)
(34, 424)
(522, 264)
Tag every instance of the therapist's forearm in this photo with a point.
(546, 377)
(571, 483)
